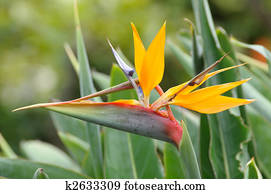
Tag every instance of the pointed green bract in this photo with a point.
(40, 174)
(252, 170)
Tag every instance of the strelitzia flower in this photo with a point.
(141, 117)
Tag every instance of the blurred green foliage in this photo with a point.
(34, 66)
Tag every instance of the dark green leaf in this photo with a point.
(205, 164)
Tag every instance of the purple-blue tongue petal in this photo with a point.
(128, 71)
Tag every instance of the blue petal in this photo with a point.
(129, 71)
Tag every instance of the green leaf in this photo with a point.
(182, 163)
(24, 169)
(185, 40)
(78, 148)
(197, 55)
(87, 87)
(128, 155)
(184, 59)
(204, 141)
(101, 80)
(227, 130)
(204, 129)
(261, 140)
(43, 152)
(252, 170)
(40, 174)
(70, 125)
(216, 156)
(6, 149)
(76, 128)
(192, 122)
(252, 61)
(258, 48)
(228, 48)
(262, 105)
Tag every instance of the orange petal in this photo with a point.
(188, 89)
(139, 51)
(206, 93)
(153, 63)
(131, 102)
(215, 104)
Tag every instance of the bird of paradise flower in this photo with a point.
(141, 117)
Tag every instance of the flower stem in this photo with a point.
(161, 92)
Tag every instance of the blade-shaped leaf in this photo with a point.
(87, 87)
(204, 129)
(44, 152)
(101, 80)
(228, 48)
(184, 59)
(262, 105)
(261, 140)
(6, 149)
(204, 141)
(77, 128)
(258, 48)
(24, 169)
(192, 122)
(78, 148)
(231, 131)
(182, 163)
(128, 155)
